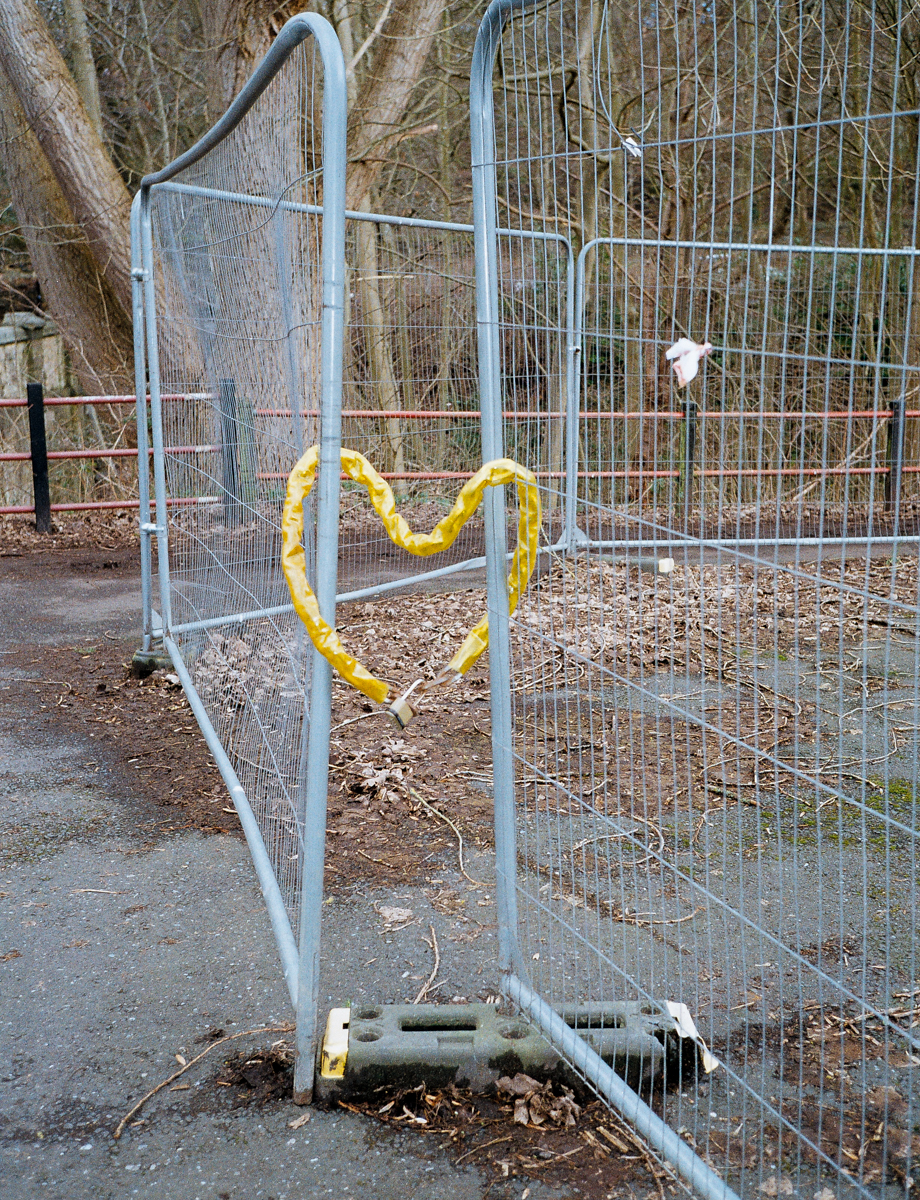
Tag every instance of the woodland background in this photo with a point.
(96, 93)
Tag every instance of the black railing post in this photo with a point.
(230, 451)
(895, 456)
(689, 455)
(38, 448)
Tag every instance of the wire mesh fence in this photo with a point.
(232, 234)
(410, 385)
(239, 278)
(711, 792)
(234, 264)
(705, 778)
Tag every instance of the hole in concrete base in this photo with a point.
(432, 1024)
(515, 1032)
(596, 1021)
(368, 1014)
(367, 1037)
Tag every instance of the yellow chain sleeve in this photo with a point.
(356, 466)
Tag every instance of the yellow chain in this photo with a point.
(356, 466)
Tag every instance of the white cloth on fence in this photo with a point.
(685, 356)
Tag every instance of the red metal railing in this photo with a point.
(39, 455)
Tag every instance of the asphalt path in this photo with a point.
(121, 950)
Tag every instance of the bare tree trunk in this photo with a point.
(377, 113)
(84, 76)
(84, 69)
(237, 35)
(341, 19)
(92, 322)
(386, 89)
(91, 186)
(379, 353)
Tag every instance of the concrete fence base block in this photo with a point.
(473, 1046)
(145, 662)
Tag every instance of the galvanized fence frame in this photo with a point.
(300, 956)
(515, 973)
(299, 948)
(791, 1153)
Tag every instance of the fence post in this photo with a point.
(895, 457)
(230, 451)
(689, 455)
(38, 448)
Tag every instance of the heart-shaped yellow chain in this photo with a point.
(356, 466)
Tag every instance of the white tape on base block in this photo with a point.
(335, 1044)
(686, 1027)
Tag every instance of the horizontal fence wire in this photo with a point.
(716, 767)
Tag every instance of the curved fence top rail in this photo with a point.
(295, 31)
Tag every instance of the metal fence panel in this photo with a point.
(239, 250)
(706, 778)
(410, 388)
(245, 255)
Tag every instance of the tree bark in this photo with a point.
(92, 321)
(84, 69)
(91, 186)
(386, 89)
(238, 34)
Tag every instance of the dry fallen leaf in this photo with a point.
(183, 1062)
(299, 1122)
(394, 918)
(520, 1085)
(536, 1103)
(777, 1185)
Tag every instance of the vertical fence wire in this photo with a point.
(238, 295)
(716, 767)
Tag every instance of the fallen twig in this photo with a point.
(494, 1142)
(430, 808)
(434, 970)
(120, 1128)
(644, 919)
(381, 712)
(380, 862)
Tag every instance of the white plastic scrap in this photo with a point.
(686, 1027)
(684, 356)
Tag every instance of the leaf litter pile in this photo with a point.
(867, 1134)
(69, 531)
(527, 1130)
(710, 627)
(402, 803)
